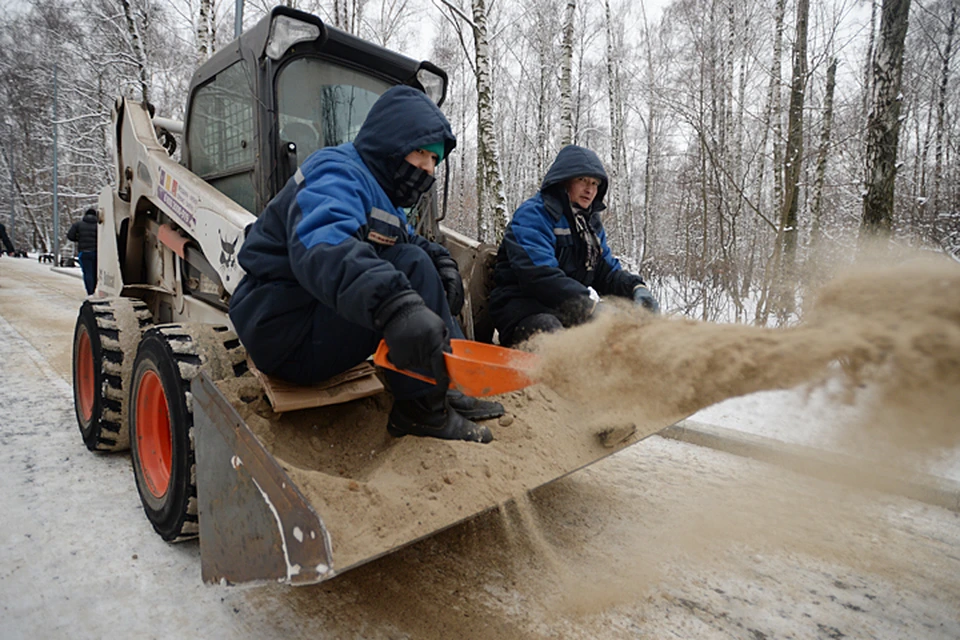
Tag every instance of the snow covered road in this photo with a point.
(664, 540)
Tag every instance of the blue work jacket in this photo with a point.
(319, 240)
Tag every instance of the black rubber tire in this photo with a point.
(174, 514)
(176, 354)
(113, 328)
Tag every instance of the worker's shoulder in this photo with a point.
(533, 213)
(342, 160)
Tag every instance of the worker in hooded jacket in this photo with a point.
(332, 266)
(84, 233)
(554, 259)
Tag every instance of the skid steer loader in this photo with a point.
(298, 496)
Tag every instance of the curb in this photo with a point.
(824, 465)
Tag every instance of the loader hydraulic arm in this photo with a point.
(149, 180)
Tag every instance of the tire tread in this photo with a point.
(106, 432)
(196, 348)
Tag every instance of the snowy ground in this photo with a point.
(662, 540)
(813, 419)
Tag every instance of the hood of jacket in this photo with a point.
(574, 161)
(90, 215)
(402, 120)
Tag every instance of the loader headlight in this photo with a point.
(434, 82)
(286, 32)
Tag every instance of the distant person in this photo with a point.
(555, 251)
(84, 233)
(5, 239)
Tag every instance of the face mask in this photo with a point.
(409, 184)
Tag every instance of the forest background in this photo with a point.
(748, 142)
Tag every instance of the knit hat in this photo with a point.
(435, 148)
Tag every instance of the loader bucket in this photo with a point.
(255, 525)
(303, 496)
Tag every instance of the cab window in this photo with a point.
(222, 131)
(321, 104)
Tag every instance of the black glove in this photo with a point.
(643, 297)
(452, 282)
(415, 335)
(577, 310)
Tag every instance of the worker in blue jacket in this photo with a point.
(332, 266)
(554, 251)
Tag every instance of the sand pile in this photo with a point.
(896, 329)
(375, 492)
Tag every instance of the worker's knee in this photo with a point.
(411, 260)
(417, 265)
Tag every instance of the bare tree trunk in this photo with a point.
(491, 199)
(919, 196)
(822, 153)
(792, 167)
(544, 73)
(618, 174)
(883, 127)
(348, 14)
(206, 31)
(356, 16)
(649, 169)
(704, 184)
(566, 66)
(639, 253)
(772, 126)
(25, 207)
(941, 110)
(772, 112)
(868, 78)
(138, 46)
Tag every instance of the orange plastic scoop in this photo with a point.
(476, 368)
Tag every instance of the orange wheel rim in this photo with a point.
(154, 445)
(85, 376)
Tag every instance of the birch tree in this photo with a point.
(883, 125)
(491, 200)
(206, 31)
(137, 23)
(566, 74)
(617, 171)
(348, 15)
(773, 129)
(946, 58)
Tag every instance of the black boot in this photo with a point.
(473, 408)
(432, 417)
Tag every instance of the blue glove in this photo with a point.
(643, 297)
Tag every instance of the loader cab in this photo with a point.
(287, 87)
